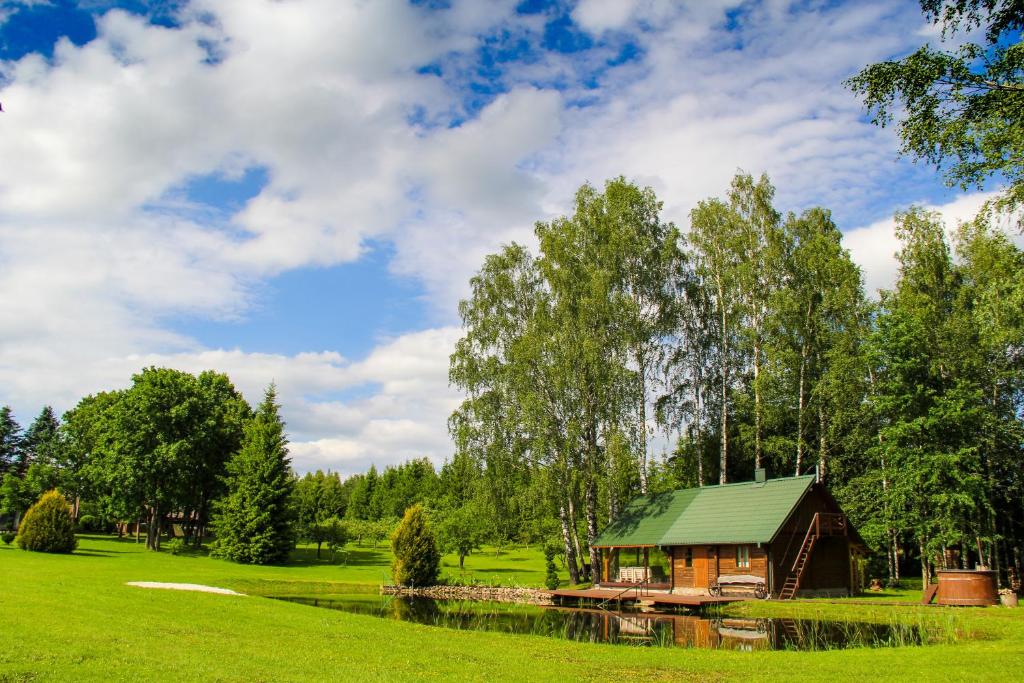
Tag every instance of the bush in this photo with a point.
(417, 560)
(175, 546)
(7, 537)
(47, 526)
(88, 523)
(551, 580)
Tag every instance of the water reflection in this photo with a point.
(634, 628)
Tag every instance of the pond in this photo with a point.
(627, 628)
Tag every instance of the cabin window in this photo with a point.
(743, 556)
(689, 557)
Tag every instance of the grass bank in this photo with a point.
(72, 618)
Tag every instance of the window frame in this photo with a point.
(743, 557)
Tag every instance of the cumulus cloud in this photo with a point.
(873, 247)
(602, 15)
(98, 251)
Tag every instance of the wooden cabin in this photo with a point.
(781, 537)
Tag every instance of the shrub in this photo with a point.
(417, 560)
(88, 523)
(47, 526)
(175, 546)
(551, 580)
(7, 537)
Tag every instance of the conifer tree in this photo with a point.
(417, 560)
(253, 522)
(10, 440)
(41, 441)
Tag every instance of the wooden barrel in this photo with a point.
(967, 587)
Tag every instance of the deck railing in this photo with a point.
(642, 588)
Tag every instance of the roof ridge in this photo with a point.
(746, 483)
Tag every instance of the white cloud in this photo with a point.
(873, 247)
(316, 93)
(397, 406)
(601, 15)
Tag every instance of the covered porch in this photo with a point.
(635, 565)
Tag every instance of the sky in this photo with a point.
(298, 191)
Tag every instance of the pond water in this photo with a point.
(627, 628)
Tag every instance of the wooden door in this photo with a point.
(700, 566)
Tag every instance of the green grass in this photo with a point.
(72, 618)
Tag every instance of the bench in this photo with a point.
(633, 574)
(748, 581)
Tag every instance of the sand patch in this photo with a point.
(182, 587)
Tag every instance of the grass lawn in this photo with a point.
(72, 618)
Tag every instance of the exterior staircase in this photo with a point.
(822, 524)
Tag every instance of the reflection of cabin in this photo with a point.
(788, 534)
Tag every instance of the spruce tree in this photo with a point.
(10, 440)
(253, 522)
(41, 441)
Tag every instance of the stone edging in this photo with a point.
(529, 596)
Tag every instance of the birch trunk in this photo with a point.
(757, 402)
(800, 411)
(570, 550)
(642, 440)
(573, 529)
(822, 444)
(723, 454)
(595, 556)
(925, 574)
(698, 411)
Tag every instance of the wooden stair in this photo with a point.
(790, 629)
(822, 524)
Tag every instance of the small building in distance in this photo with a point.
(773, 537)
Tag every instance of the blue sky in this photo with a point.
(299, 191)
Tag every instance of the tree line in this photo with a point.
(182, 449)
(748, 342)
(161, 450)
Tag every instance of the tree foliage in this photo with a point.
(461, 529)
(48, 526)
(961, 109)
(159, 447)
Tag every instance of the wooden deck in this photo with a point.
(647, 598)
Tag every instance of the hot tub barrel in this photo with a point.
(967, 587)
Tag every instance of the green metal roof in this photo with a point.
(747, 512)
